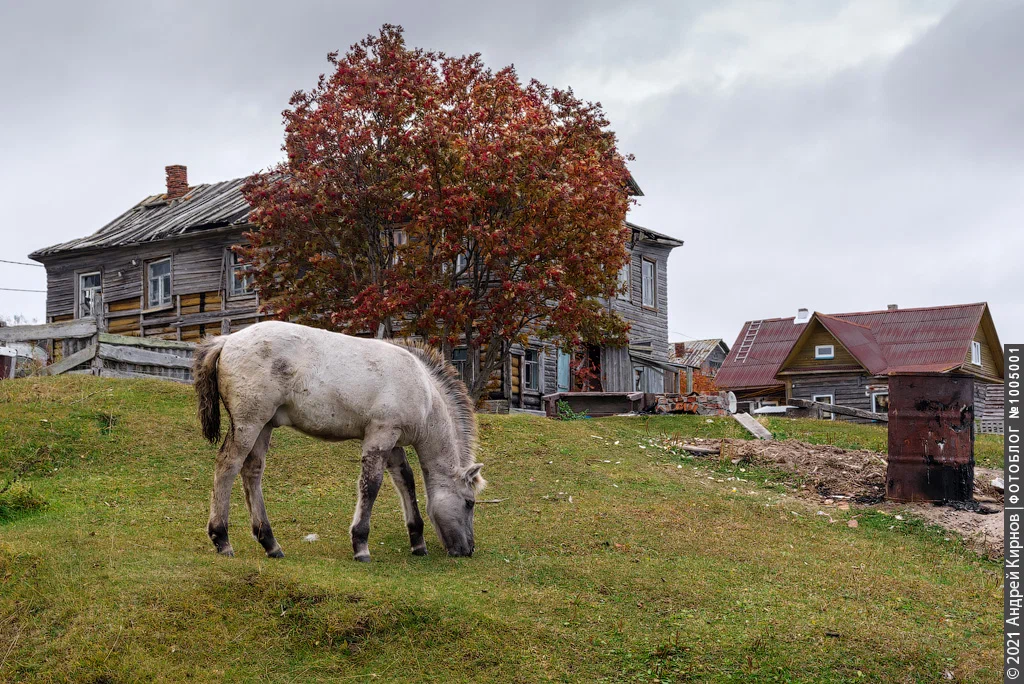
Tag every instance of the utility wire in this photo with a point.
(19, 263)
(15, 289)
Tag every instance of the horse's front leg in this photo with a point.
(405, 485)
(377, 445)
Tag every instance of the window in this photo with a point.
(158, 283)
(89, 292)
(398, 238)
(531, 370)
(624, 285)
(976, 353)
(639, 379)
(880, 402)
(461, 261)
(240, 279)
(460, 359)
(648, 284)
(825, 399)
(824, 351)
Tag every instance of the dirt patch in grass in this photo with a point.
(830, 475)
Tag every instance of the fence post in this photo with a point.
(97, 312)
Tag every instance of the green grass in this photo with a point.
(653, 572)
(988, 449)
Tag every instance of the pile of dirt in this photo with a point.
(828, 471)
(829, 475)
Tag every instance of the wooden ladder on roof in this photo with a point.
(748, 341)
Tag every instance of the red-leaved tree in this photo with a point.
(427, 195)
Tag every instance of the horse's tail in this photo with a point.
(204, 370)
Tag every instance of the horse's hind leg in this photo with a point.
(233, 452)
(377, 444)
(252, 482)
(405, 485)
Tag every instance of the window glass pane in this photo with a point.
(648, 283)
(159, 282)
(530, 370)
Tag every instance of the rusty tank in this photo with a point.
(931, 438)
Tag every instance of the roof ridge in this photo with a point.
(918, 308)
(836, 318)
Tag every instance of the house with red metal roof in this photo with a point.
(847, 358)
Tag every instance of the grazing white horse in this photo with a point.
(337, 387)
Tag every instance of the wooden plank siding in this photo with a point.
(646, 324)
(200, 302)
(804, 356)
(847, 389)
(988, 367)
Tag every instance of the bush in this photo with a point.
(565, 412)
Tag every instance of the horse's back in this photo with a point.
(324, 383)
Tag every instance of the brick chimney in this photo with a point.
(680, 348)
(177, 181)
(893, 307)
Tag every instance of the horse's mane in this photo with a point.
(453, 390)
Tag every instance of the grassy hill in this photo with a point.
(605, 561)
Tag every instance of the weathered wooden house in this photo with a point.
(704, 356)
(846, 359)
(165, 269)
(162, 269)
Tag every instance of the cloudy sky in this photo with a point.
(834, 155)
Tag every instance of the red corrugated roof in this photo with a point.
(899, 340)
(771, 346)
(859, 340)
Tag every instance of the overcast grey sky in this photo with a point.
(835, 155)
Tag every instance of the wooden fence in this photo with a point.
(80, 347)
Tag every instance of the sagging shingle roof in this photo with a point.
(930, 339)
(156, 218)
(204, 206)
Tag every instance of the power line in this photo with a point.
(19, 263)
(15, 289)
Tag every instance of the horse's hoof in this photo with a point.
(276, 553)
(420, 551)
(362, 558)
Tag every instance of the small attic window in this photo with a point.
(824, 351)
(976, 353)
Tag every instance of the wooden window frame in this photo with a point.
(654, 284)
(78, 291)
(466, 369)
(820, 355)
(874, 401)
(831, 400)
(147, 264)
(231, 266)
(524, 363)
(975, 348)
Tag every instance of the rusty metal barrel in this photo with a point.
(931, 438)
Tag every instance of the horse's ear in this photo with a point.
(473, 477)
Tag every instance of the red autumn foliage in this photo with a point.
(427, 195)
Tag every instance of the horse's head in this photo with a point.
(450, 507)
